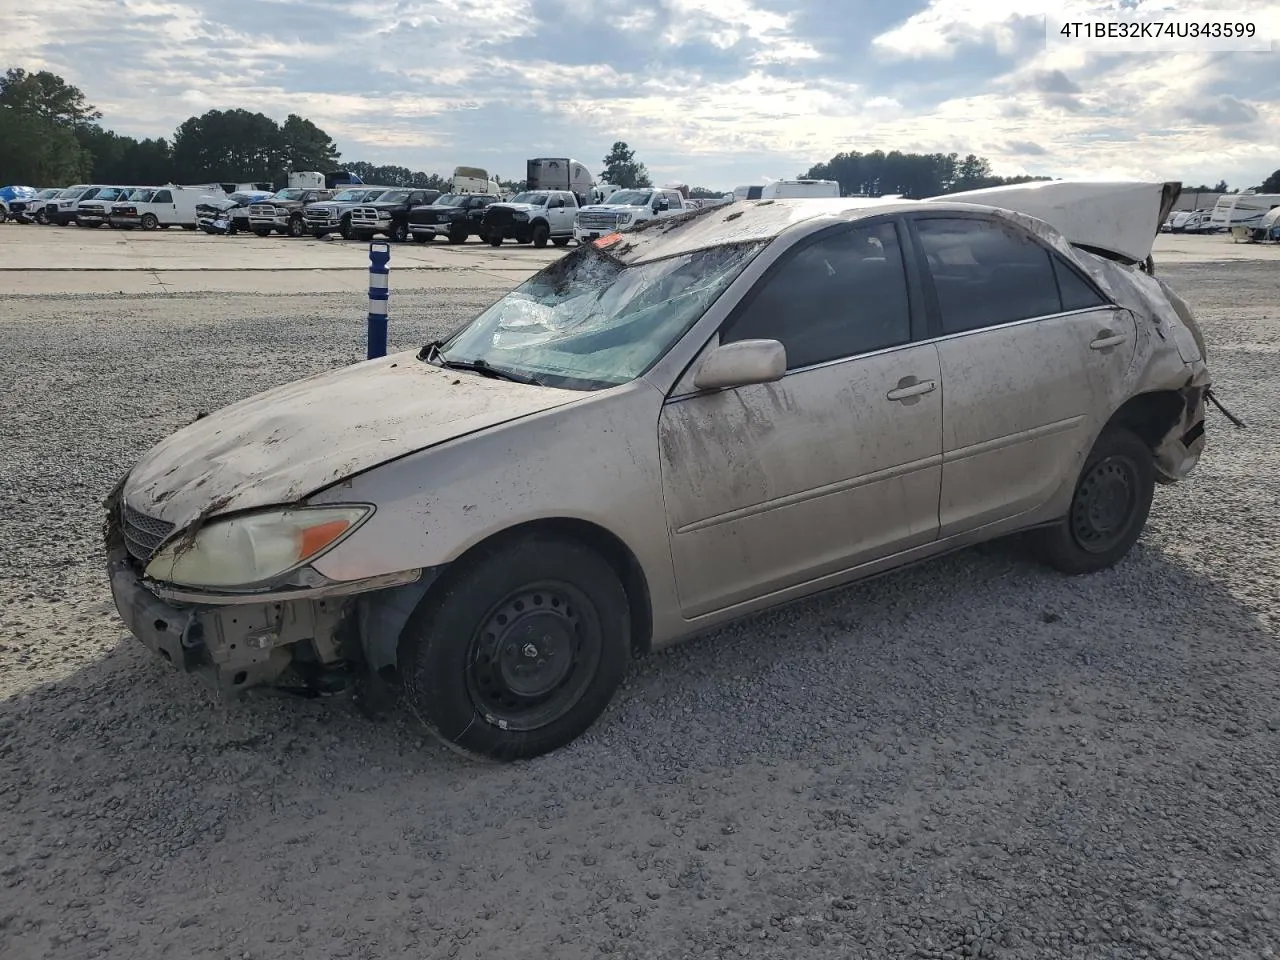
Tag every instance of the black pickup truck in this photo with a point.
(455, 215)
(389, 214)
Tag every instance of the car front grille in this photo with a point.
(499, 217)
(321, 213)
(364, 215)
(263, 210)
(142, 534)
(597, 221)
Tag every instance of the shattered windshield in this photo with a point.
(588, 322)
(631, 198)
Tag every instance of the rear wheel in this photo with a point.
(539, 236)
(520, 651)
(1108, 509)
(150, 221)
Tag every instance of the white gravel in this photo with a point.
(973, 758)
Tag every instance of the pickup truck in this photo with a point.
(626, 209)
(334, 216)
(455, 215)
(534, 216)
(389, 214)
(283, 213)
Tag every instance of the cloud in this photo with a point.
(713, 92)
(1224, 111)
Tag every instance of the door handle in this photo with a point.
(1107, 339)
(905, 391)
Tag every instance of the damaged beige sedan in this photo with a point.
(664, 430)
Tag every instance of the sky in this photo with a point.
(713, 93)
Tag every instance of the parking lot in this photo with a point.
(976, 757)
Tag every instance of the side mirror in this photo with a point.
(740, 364)
(661, 204)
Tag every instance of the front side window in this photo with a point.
(987, 272)
(836, 297)
(589, 321)
(163, 196)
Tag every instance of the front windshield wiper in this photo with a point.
(431, 354)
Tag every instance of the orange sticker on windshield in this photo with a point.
(608, 239)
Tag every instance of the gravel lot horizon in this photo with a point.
(975, 757)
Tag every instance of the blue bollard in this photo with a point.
(379, 294)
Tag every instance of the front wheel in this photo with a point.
(42, 218)
(457, 236)
(1109, 508)
(399, 233)
(259, 232)
(541, 233)
(344, 228)
(561, 241)
(150, 221)
(297, 227)
(520, 651)
(495, 239)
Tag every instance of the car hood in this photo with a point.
(523, 207)
(612, 207)
(280, 446)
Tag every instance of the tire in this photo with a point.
(360, 236)
(344, 228)
(463, 651)
(150, 221)
(4, 214)
(259, 232)
(495, 239)
(297, 227)
(457, 236)
(421, 238)
(541, 233)
(561, 241)
(1119, 466)
(42, 218)
(399, 233)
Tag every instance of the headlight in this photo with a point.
(255, 547)
(519, 215)
(624, 218)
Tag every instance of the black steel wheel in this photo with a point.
(518, 650)
(1108, 509)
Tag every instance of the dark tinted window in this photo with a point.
(1076, 292)
(162, 196)
(840, 296)
(987, 272)
(753, 193)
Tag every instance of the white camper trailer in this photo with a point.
(797, 189)
(1241, 210)
(473, 180)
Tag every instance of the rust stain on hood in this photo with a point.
(289, 442)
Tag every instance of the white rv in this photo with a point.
(473, 180)
(797, 189)
(157, 207)
(1189, 221)
(1241, 210)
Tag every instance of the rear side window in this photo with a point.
(837, 297)
(1076, 292)
(986, 273)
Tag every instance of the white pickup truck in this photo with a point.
(534, 216)
(624, 210)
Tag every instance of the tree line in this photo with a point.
(50, 135)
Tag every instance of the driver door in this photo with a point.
(775, 485)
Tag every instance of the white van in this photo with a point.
(156, 207)
(94, 209)
(1241, 210)
(797, 189)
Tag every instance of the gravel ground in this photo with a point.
(972, 758)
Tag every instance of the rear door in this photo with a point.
(1032, 356)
